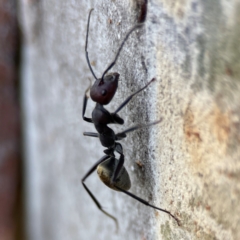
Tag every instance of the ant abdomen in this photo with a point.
(105, 172)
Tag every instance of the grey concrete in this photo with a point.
(188, 163)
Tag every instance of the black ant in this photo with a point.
(110, 169)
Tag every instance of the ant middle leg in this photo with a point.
(91, 134)
(121, 135)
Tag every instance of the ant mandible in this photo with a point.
(110, 169)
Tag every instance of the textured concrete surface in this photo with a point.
(187, 164)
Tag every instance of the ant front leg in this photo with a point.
(131, 96)
(85, 99)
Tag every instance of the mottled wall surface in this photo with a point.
(198, 60)
(187, 164)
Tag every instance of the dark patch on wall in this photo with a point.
(10, 134)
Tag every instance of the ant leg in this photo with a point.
(120, 163)
(118, 148)
(85, 99)
(91, 134)
(93, 168)
(117, 169)
(148, 204)
(131, 96)
(122, 135)
(116, 118)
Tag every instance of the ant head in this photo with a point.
(104, 88)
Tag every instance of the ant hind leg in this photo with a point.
(148, 204)
(92, 169)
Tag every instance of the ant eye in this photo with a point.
(108, 78)
(104, 92)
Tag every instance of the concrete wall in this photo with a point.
(189, 163)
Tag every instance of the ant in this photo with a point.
(110, 169)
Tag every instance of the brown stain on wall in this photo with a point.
(206, 134)
(221, 125)
(208, 137)
(177, 9)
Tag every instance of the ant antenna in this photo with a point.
(86, 43)
(120, 48)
